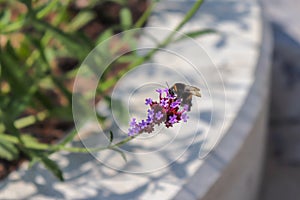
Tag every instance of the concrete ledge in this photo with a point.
(234, 171)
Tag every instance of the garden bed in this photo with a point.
(106, 16)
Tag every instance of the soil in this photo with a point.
(51, 130)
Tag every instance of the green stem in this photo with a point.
(122, 142)
(190, 14)
(47, 147)
(145, 15)
(186, 18)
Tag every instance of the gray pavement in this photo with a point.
(282, 171)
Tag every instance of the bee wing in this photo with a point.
(196, 93)
(194, 90)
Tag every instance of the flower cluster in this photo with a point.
(167, 110)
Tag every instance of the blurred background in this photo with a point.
(282, 171)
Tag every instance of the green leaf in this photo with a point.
(33, 161)
(111, 136)
(0, 70)
(12, 71)
(121, 153)
(80, 20)
(105, 35)
(53, 167)
(68, 138)
(47, 8)
(30, 119)
(28, 142)
(8, 138)
(8, 25)
(126, 18)
(32, 143)
(127, 58)
(142, 20)
(13, 26)
(4, 18)
(194, 34)
(2, 127)
(73, 44)
(8, 151)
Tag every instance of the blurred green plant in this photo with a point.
(33, 35)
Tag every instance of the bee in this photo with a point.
(185, 93)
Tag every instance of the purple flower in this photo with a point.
(159, 115)
(175, 104)
(186, 107)
(170, 96)
(168, 106)
(160, 91)
(143, 124)
(164, 102)
(149, 120)
(148, 101)
(133, 122)
(184, 117)
(150, 116)
(131, 132)
(166, 90)
(173, 119)
(134, 128)
(150, 112)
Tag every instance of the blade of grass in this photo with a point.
(8, 151)
(30, 120)
(145, 15)
(194, 34)
(79, 49)
(53, 167)
(46, 8)
(125, 18)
